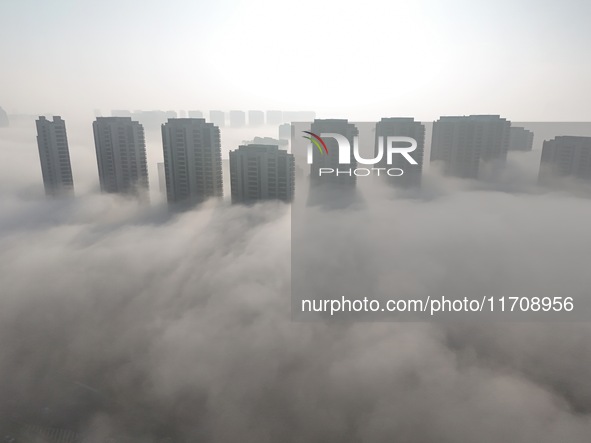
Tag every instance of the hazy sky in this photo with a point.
(527, 60)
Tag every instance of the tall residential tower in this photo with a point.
(469, 145)
(261, 172)
(55, 156)
(121, 155)
(192, 160)
(520, 139)
(402, 127)
(565, 156)
(330, 159)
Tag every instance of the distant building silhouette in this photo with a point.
(4, 122)
(292, 116)
(161, 178)
(192, 161)
(120, 113)
(402, 127)
(237, 119)
(298, 116)
(121, 155)
(274, 117)
(226, 173)
(520, 139)
(54, 154)
(261, 172)
(218, 118)
(565, 156)
(285, 131)
(150, 120)
(306, 116)
(345, 177)
(195, 114)
(256, 118)
(466, 145)
(266, 141)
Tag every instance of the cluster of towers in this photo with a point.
(192, 162)
(465, 146)
(233, 118)
(471, 147)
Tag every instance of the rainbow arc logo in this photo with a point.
(317, 141)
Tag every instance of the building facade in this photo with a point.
(218, 118)
(565, 156)
(256, 118)
(274, 117)
(402, 127)
(468, 146)
(237, 119)
(192, 161)
(121, 155)
(261, 172)
(520, 139)
(330, 159)
(54, 155)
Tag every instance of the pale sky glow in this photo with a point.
(527, 60)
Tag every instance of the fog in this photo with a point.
(124, 322)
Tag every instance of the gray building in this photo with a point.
(345, 177)
(121, 155)
(402, 127)
(261, 172)
(161, 178)
(274, 117)
(54, 155)
(237, 119)
(285, 131)
(218, 118)
(292, 116)
(565, 156)
(120, 113)
(256, 118)
(467, 146)
(192, 161)
(520, 139)
(195, 114)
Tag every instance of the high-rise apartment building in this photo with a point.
(274, 117)
(256, 118)
(466, 145)
(402, 127)
(218, 118)
(343, 176)
(54, 155)
(237, 119)
(192, 160)
(261, 172)
(520, 139)
(195, 114)
(121, 155)
(161, 178)
(565, 156)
